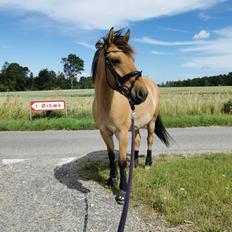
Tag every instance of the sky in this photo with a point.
(173, 40)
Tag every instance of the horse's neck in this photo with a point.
(103, 92)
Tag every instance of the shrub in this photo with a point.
(227, 108)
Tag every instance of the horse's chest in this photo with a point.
(142, 119)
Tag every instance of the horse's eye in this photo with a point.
(115, 61)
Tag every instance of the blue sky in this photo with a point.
(173, 41)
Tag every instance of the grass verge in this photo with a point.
(196, 189)
(198, 120)
(84, 120)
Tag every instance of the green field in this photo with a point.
(180, 107)
(185, 189)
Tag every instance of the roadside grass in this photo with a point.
(195, 189)
(180, 107)
(84, 121)
(198, 120)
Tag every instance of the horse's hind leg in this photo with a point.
(108, 139)
(137, 145)
(123, 142)
(150, 140)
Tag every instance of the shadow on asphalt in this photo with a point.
(72, 174)
(84, 169)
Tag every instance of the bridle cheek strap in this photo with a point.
(120, 80)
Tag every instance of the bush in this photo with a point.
(227, 108)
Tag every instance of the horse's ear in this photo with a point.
(127, 35)
(110, 36)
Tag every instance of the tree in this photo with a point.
(73, 65)
(62, 82)
(13, 77)
(46, 80)
(85, 83)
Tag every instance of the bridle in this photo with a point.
(118, 79)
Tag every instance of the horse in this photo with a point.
(120, 88)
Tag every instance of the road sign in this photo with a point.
(47, 106)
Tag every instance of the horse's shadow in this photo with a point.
(92, 166)
(89, 167)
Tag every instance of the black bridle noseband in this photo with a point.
(120, 80)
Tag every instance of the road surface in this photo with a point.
(61, 144)
(41, 189)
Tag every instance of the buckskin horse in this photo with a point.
(118, 88)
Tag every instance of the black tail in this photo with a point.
(161, 132)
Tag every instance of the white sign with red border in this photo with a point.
(47, 105)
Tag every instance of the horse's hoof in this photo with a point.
(147, 167)
(120, 197)
(111, 182)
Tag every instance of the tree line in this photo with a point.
(219, 80)
(14, 77)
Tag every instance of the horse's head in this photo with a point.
(121, 73)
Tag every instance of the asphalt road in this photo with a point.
(41, 188)
(61, 144)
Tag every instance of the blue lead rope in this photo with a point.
(127, 198)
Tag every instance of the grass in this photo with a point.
(180, 107)
(196, 189)
(198, 120)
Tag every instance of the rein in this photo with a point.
(124, 90)
(127, 198)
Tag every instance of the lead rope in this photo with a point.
(127, 198)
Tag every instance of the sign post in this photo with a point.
(48, 105)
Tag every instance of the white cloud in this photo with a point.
(87, 45)
(205, 17)
(201, 35)
(148, 40)
(220, 61)
(225, 32)
(221, 45)
(154, 52)
(102, 14)
(175, 30)
(215, 53)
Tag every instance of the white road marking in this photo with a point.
(11, 161)
(61, 161)
(66, 160)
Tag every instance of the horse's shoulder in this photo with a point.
(151, 85)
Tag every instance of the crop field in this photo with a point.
(180, 107)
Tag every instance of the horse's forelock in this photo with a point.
(119, 41)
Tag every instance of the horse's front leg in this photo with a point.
(150, 140)
(108, 139)
(137, 145)
(122, 163)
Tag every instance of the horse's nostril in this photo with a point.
(140, 94)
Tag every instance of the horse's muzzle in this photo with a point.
(138, 96)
